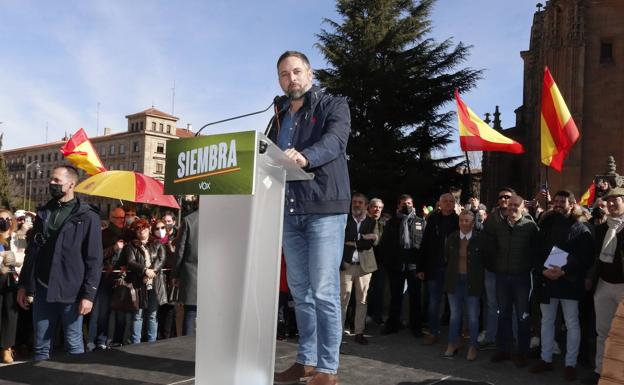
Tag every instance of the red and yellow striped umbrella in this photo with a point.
(128, 186)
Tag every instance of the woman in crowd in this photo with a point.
(145, 257)
(11, 260)
(464, 282)
(166, 312)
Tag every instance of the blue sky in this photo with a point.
(59, 59)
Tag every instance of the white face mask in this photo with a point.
(162, 233)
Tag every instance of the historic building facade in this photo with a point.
(141, 148)
(582, 43)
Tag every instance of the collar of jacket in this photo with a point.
(310, 99)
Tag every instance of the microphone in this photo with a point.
(277, 102)
(276, 99)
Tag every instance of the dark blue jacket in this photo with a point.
(77, 260)
(321, 135)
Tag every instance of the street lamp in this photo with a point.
(38, 169)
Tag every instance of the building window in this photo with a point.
(141, 128)
(135, 147)
(159, 168)
(122, 148)
(134, 166)
(161, 127)
(606, 52)
(29, 158)
(131, 126)
(49, 157)
(112, 149)
(153, 126)
(168, 128)
(48, 174)
(28, 175)
(160, 148)
(102, 150)
(55, 156)
(121, 166)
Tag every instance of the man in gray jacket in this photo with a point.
(185, 271)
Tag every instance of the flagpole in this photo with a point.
(469, 175)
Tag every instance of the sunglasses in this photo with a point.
(504, 197)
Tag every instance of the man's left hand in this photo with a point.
(297, 157)
(85, 307)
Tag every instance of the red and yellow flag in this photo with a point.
(557, 128)
(587, 199)
(476, 135)
(80, 152)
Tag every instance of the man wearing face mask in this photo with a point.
(400, 245)
(170, 223)
(62, 265)
(561, 283)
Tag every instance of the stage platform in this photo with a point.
(398, 359)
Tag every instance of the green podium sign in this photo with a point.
(221, 164)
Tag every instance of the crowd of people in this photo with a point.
(498, 276)
(64, 271)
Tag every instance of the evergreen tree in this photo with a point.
(397, 80)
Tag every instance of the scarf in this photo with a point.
(405, 235)
(607, 253)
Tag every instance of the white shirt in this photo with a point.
(466, 236)
(356, 256)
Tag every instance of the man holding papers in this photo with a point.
(565, 254)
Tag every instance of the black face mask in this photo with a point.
(56, 191)
(5, 224)
(406, 210)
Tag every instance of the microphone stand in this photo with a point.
(234, 118)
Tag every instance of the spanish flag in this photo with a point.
(476, 135)
(557, 128)
(589, 196)
(80, 152)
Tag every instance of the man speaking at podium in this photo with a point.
(312, 128)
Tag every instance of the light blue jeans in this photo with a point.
(313, 246)
(148, 314)
(573, 336)
(456, 302)
(45, 318)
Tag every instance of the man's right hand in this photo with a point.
(22, 299)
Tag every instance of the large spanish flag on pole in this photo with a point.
(80, 152)
(557, 128)
(476, 135)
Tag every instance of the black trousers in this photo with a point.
(397, 284)
(8, 316)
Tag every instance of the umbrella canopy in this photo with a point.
(128, 186)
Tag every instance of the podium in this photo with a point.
(240, 241)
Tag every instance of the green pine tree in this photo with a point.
(397, 81)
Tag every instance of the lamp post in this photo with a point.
(38, 168)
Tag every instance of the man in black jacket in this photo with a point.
(313, 130)
(440, 225)
(401, 249)
(62, 265)
(358, 262)
(561, 283)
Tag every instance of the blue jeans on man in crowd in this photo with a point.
(45, 317)
(573, 337)
(457, 299)
(149, 314)
(513, 290)
(313, 246)
(491, 316)
(435, 289)
(190, 316)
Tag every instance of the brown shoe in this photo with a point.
(7, 356)
(569, 373)
(541, 367)
(296, 373)
(360, 339)
(472, 354)
(323, 379)
(430, 339)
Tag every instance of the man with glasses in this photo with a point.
(62, 265)
(498, 214)
(512, 249)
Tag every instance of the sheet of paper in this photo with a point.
(557, 257)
